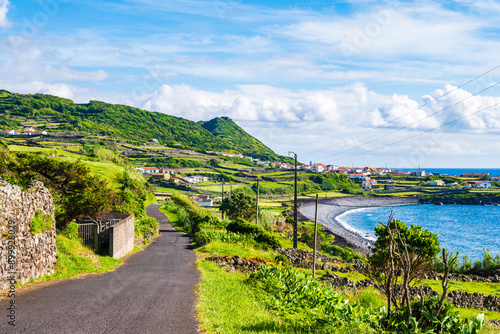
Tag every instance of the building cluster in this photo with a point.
(26, 131)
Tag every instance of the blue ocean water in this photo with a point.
(464, 228)
(457, 171)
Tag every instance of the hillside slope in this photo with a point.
(231, 135)
(57, 114)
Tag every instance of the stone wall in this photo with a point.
(456, 297)
(121, 237)
(24, 256)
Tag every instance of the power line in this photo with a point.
(411, 111)
(421, 133)
(408, 125)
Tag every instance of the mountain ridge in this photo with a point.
(117, 120)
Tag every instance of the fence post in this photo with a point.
(95, 237)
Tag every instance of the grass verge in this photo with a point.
(227, 304)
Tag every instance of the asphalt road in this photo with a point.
(152, 292)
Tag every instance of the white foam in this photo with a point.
(348, 227)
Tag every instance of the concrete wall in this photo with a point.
(24, 256)
(121, 237)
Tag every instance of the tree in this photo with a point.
(238, 205)
(401, 252)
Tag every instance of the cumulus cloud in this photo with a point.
(4, 9)
(335, 118)
(351, 107)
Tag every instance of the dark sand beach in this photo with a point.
(330, 209)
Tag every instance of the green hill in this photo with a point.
(56, 114)
(231, 135)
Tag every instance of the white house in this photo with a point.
(196, 178)
(10, 132)
(149, 170)
(319, 168)
(418, 173)
(482, 184)
(167, 171)
(203, 200)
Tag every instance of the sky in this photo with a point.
(364, 83)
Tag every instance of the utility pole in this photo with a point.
(223, 195)
(315, 236)
(257, 206)
(295, 227)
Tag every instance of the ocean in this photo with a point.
(465, 228)
(457, 171)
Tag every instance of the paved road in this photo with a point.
(152, 292)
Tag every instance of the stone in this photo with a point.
(35, 254)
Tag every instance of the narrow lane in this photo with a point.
(152, 292)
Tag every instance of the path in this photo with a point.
(152, 292)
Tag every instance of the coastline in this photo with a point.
(329, 211)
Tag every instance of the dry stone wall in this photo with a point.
(24, 256)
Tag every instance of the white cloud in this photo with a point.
(334, 118)
(4, 9)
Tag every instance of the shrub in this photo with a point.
(71, 231)
(145, 226)
(40, 222)
(207, 236)
(345, 253)
(261, 235)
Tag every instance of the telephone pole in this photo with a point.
(223, 195)
(315, 236)
(257, 205)
(295, 227)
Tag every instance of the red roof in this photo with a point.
(150, 168)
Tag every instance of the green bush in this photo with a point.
(145, 226)
(207, 236)
(71, 231)
(312, 306)
(41, 222)
(261, 235)
(345, 253)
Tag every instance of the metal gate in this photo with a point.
(95, 234)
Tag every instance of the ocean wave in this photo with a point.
(341, 220)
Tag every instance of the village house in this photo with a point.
(196, 178)
(437, 183)
(368, 183)
(319, 168)
(495, 178)
(160, 176)
(482, 184)
(204, 201)
(175, 180)
(148, 170)
(330, 168)
(39, 132)
(418, 173)
(167, 171)
(231, 155)
(389, 187)
(10, 132)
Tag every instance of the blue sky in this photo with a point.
(353, 82)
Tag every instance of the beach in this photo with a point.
(330, 209)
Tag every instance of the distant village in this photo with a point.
(361, 176)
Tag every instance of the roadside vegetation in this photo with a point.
(281, 299)
(81, 187)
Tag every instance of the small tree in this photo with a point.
(238, 205)
(401, 252)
